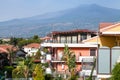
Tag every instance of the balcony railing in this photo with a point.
(87, 73)
(86, 59)
(87, 67)
(80, 59)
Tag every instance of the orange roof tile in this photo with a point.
(105, 24)
(2, 50)
(110, 27)
(5, 48)
(32, 45)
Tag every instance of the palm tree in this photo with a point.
(70, 60)
(18, 72)
(23, 69)
(37, 55)
(69, 57)
(11, 55)
(30, 65)
(38, 72)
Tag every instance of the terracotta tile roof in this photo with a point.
(2, 50)
(110, 27)
(73, 31)
(5, 48)
(32, 45)
(105, 24)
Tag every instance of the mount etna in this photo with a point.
(82, 17)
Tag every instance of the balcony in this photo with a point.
(87, 67)
(69, 45)
(87, 73)
(80, 59)
(86, 59)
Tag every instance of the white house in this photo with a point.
(31, 49)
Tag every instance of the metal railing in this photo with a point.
(86, 58)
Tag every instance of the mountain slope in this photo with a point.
(85, 16)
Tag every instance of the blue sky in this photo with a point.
(12, 9)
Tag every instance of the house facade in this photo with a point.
(31, 49)
(85, 53)
(109, 48)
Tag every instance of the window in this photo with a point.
(74, 39)
(92, 52)
(63, 40)
(83, 36)
(68, 39)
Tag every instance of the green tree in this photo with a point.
(13, 41)
(70, 58)
(30, 64)
(4, 67)
(38, 73)
(37, 55)
(11, 55)
(24, 68)
(1, 42)
(23, 42)
(116, 72)
(35, 37)
(18, 72)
